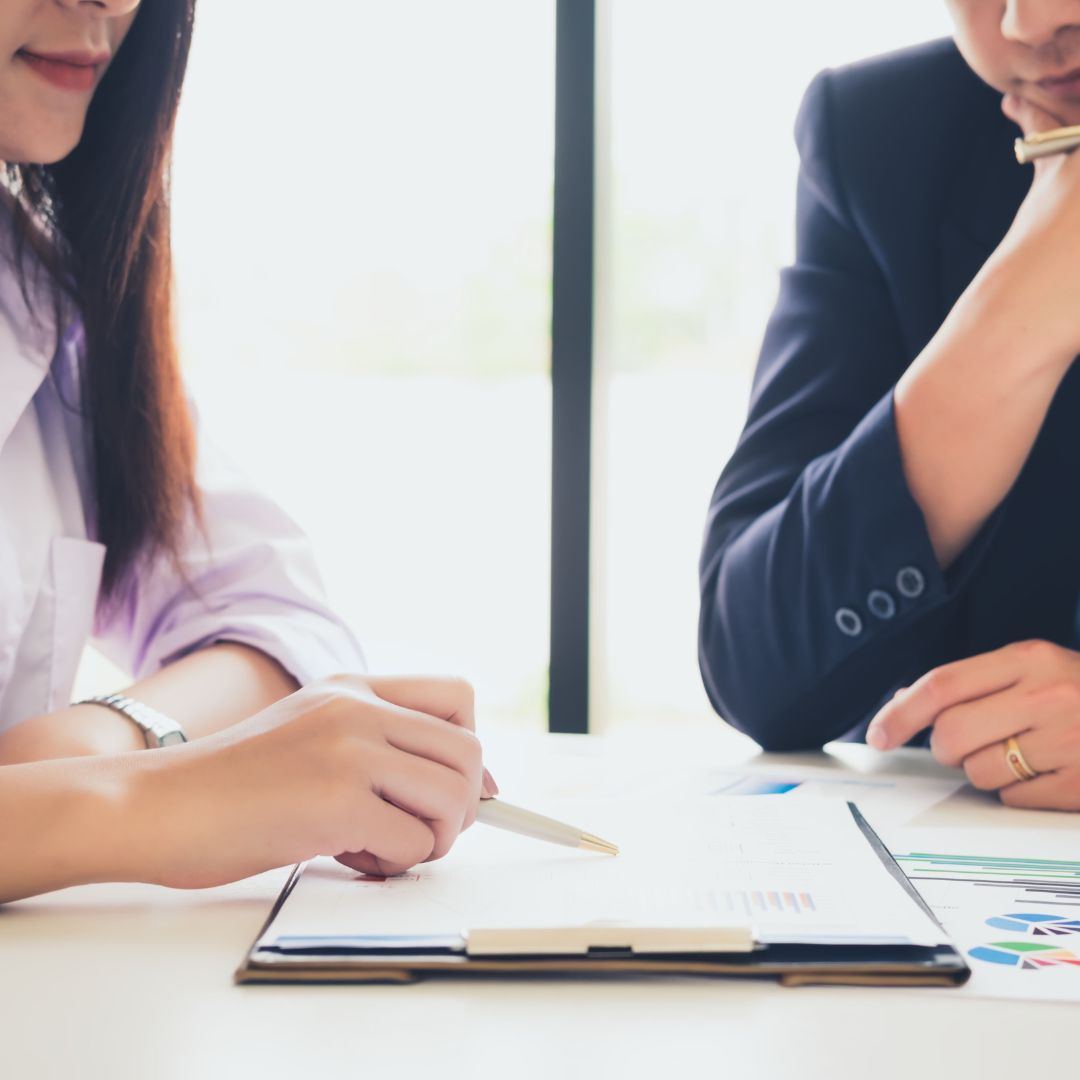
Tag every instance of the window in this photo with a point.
(362, 227)
(695, 217)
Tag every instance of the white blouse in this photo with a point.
(250, 579)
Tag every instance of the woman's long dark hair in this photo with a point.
(105, 208)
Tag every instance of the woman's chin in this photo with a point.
(41, 149)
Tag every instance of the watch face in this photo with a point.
(173, 738)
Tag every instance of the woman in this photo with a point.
(113, 517)
(901, 512)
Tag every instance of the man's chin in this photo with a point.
(1065, 113)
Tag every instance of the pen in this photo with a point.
(503, 815)
(1057, 141)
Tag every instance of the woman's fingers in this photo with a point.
(430, 765)
(425, 736)
(394, 841)
(443, 798)
(446, 697)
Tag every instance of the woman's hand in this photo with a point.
(383, 773)
(1040, 254)
(1029, 691)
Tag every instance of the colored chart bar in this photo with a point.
(1047, 881)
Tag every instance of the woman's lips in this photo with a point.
(69, 71)
(1062, 86)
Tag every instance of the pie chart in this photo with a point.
(1036, 925)
(1025, 955)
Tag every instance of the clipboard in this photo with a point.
(386, 954)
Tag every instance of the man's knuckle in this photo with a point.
(938, 688)
(979, 774)
(944, 744)
(1061, 695)
(1035, 650)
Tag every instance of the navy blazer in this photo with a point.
(820, 592)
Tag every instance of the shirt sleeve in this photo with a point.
(247, 575)
(820, 589)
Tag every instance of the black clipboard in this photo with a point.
(634, 951)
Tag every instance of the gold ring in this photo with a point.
(1018, 765)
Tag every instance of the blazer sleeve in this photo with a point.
(817, 574)
(247, 575)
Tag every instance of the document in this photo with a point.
(889, 792)
(1009, 898)
(795, 871)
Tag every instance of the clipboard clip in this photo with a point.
(607, 940)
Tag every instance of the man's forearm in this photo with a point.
(968, 412)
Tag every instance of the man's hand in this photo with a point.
(1029, 691)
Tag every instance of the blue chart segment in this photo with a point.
(1036, 925)
(754, 785)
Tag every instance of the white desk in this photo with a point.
(124, 981)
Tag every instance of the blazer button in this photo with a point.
(910, 582)
(848, 621)
(881, 604)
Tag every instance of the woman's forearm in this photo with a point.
(69, 823)
(969, 409)
(205, 691)
(213, 688)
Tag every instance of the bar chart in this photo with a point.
(1054, 882)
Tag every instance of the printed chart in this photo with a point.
(884, 800)
(1016, 918)
(1036, 925)
(1024, 955)
(1054, 882)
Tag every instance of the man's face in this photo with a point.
(1030, 48)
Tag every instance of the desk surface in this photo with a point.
(124, 981)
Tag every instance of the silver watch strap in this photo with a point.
(157, 728)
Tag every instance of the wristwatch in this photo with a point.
(157, 728)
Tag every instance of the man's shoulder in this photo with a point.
(921, 92)
(910, 77)
(904, 118)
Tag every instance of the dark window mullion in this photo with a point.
(572, 363)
